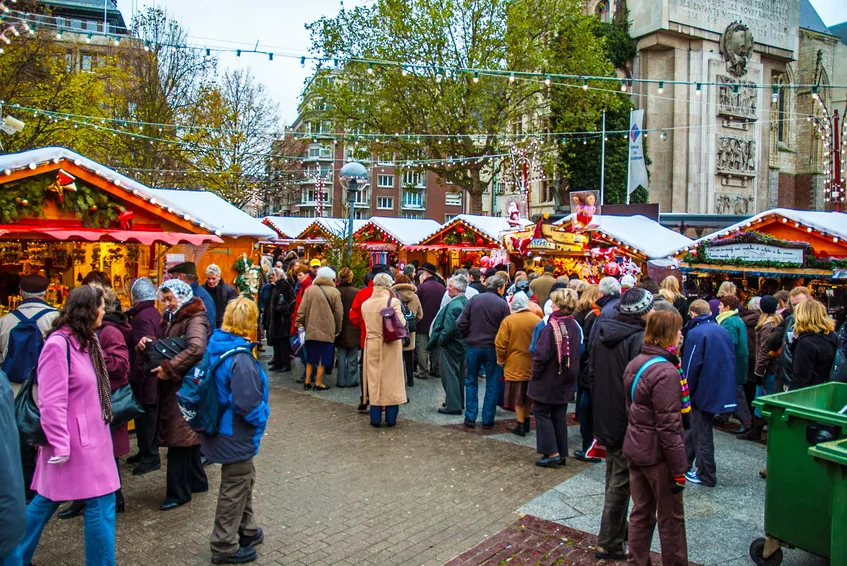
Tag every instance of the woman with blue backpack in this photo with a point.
(242, 393)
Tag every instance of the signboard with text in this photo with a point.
(755, 253)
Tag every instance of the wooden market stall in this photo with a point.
(65, 215)
(777, 249)
(320, 232)
(612, 245)
(387, 240)
(287, 229)
(467, 238)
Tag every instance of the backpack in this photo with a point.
(25, 344)
(839, 363)
(198, 396)
(409, 317)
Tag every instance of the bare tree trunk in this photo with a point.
(475, 192)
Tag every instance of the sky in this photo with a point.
(278, 26)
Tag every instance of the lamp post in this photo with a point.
(353, 177)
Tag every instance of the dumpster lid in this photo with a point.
(835, 451)
(822, 403)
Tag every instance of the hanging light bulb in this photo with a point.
(438, 77)
(370, 68)
(547, 80)
(775, 95)
(623, 85)
(475, 77)
(661, 87)
(59, 34)
(511, 77)
(403, 71)
(697, 89)
(584, 84)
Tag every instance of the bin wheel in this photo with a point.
(757, 550)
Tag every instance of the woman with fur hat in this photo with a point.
(321, 315)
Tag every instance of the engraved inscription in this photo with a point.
(772, 22)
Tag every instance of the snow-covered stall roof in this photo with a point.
(211, 209)
(407, 231)
(833, 224)
(336, 226)
(645, 235)
(209, 213)
(288, 226)
(492, 226)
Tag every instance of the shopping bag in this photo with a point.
(596, 450)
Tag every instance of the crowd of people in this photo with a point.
(649, 375)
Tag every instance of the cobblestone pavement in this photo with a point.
(333, 490)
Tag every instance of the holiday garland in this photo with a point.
(25, 199)
(809, 259)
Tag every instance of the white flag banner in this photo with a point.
(637, 167)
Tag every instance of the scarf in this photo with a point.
(103, 388)
(560, 333)
(181, 290)
(725, 315)
(683, 381)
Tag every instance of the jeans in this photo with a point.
(479, 358)
(98, 530)
(348, 367)
(391, 412)
(768, 386)
(585, 413)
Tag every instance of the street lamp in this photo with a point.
(354, 178)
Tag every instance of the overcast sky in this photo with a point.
(277, 25)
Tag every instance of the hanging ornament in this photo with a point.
(64, 182)
(460, 229)
(24, 202)
(479, 241)
(18, 200)
(93, 208)
(125, 219)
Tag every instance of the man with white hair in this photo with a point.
(470, 292)
(627, 283)
(610, 296)
(443, 335)
(221, 292)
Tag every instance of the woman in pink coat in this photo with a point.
(75, 402)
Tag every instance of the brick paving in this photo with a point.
(333, 490)
(531, 541)
(502, 426)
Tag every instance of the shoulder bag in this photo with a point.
(393, 328)
(27, 414)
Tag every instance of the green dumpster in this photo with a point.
(798, 491)
(833, 457)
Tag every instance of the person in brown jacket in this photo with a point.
(512, 345)
(405, 291)
(185, 316)
(765, 364)
(347, 343)
(321, 315)
(541, 285)
(654, 444)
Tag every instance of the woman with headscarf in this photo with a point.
(115, 336)
(75, 401)
(512, 345)
(185, 316)
(144, 319)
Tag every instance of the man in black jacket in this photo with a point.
(222, 293)
(617, 341)
(12, 499)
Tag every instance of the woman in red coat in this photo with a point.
(115, 336)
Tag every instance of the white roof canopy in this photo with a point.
(645, 235)
(407, 231)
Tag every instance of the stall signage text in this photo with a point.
(756, 252)
(542, 243)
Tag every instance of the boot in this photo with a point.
(526, 426)
(520, 430)
(119, 501)
(73, 510)
(755, 432)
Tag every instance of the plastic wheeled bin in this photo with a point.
(798, 490)
(833, 457)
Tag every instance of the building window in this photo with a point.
(449, 217)
(307, 195)
(385, 181)
(413, 215)
(453, 199)
(362, 197)
(385, 203)
(414, 179)
(69, 61)
(386, 159)
(85, 63)
(314, 151)
(602, 10)
(780, 108)
(412, 199)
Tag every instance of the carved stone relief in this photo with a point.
(736, 156)
(728, 203)
(737, 98)
(737, 48)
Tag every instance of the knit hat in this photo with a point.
(636, 302)
(627, 282)
(769, 304)
(409, 270)
(143, 290)
(326, 272)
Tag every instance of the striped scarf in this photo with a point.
(103, 388)
(560, 333)
(683, 382)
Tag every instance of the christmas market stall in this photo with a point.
(287, 229)
(65, 215)
(607, 245)
(387, 239)
(776, 249)
(468, 238)
(320, 232)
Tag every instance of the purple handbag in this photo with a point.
(393, 327)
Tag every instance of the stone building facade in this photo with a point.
(732, 145)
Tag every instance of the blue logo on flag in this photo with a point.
(635, 132)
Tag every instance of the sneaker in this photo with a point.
(692, 477)
(243, 556)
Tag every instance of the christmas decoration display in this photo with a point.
(64, 182)
(95, 257)
(113, 255)
(699, 255)
(26, 198)
(585, 206)
(132, 254)
(249, 277)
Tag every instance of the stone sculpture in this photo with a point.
(737, 48)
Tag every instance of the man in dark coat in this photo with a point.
(610, 296)
(617, 341)
(187, 273)
(279, 309)
(443, 335)
(429, 292)
(479, 324)
(475, 278)
(220, 291)
(145, 320)
(12, 499)
(708, 360)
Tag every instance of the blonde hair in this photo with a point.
(241, 317)
(700, 307)
(726, 288)
(564, 300)
(668, 294)
(589, 296)
(800, 291)
(811, 316)
(766, 318)
(671, 284)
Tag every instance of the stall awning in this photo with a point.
(449, 247)
(104, 235)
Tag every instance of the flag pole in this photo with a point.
(628, 156)
(603, 162)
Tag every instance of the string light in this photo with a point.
(623, 85)
(584, 84)
(697, 89)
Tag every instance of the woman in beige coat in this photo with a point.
(320, 314)
(383, 361)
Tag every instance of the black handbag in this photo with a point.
(162, 349)
(28, 416)
(125, 406)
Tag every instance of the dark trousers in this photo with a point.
(185, 474)
(551, 429)
(453, 379)
(700, 444)
(29, 455)
(234, 513)
(616, 503)
(585, 414)
(282, 352)
(652, 497)
(145, 435)
(362, 399)
(391, 412)
(409, 364)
